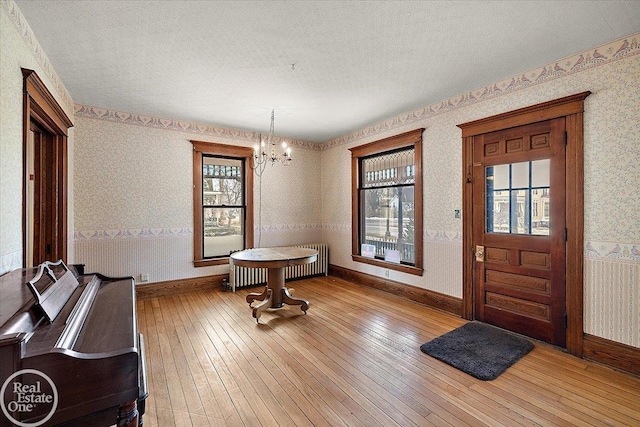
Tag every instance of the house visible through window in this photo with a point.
(387, 197)
(223, 209)
(387, 189)
(518, 198)
(222, 199)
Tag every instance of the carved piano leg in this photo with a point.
(289, 299)
(257, 296)
(258, 309)
(128, 415)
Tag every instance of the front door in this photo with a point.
(519, 229)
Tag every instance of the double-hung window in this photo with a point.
(222, 200)
(387, 202)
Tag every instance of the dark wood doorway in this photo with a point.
(45, 165)
(519, 273)
(528, 273)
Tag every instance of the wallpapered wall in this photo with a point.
(134, 189)
(612, 171)
(130, 206)
(20, 49)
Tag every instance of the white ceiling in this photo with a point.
(328, 68)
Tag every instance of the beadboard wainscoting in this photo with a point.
(165, 254)
(612, 294)
(162, 254)
(443, 263)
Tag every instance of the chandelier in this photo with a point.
(265, 152)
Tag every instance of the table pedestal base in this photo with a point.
(275, 295)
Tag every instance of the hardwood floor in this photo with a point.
(353, 359)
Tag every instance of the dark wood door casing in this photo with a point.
(571, 108)
(49, 124)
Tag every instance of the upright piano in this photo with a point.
(70, 351)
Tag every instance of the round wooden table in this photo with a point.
(275, 294)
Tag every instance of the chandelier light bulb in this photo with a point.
(261, 157)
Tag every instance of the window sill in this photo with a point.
(416, 271)
(210, 262)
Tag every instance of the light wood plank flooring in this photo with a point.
(353, 359)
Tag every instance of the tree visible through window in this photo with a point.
(387, 188)
(223, 205)
(387, 197)
(222, 200)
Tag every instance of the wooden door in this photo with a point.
(44, 203)
(44, 198)
(519, 229)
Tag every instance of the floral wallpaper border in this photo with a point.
(128, 233)
(605, 54)
(442, 236)
(90, 112)
(29, 38)
(290, 227)
(612, 251)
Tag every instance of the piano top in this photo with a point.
(90, 319)
(81, 332)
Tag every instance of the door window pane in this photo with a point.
(540, 173)
(498, 217)
(520, 175)
(500, 176)
(540, 218)
(520, 212)
(517, 198)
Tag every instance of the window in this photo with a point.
(222, 202)
(387, 202)
(518, 198)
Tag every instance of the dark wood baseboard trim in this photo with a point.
(611, 353)
(173, 287)
(432, 299)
